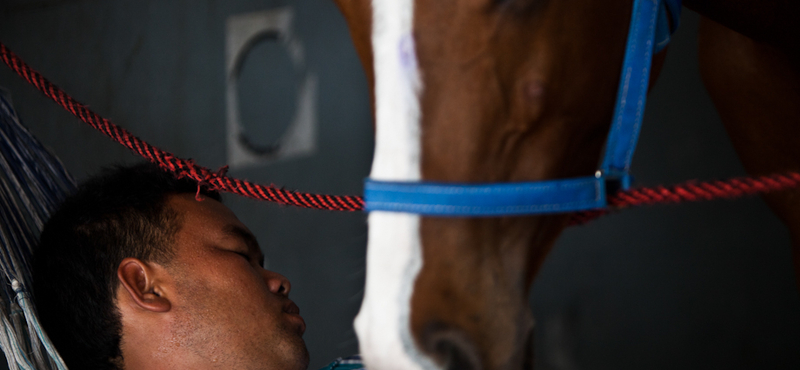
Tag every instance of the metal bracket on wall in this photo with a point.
(242, 34)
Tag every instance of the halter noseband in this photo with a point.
(649, 33)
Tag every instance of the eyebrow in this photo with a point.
(248, 238)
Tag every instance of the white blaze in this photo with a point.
(393, 251)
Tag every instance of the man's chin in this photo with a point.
(300, 354)
(304, 357)
(291, 352)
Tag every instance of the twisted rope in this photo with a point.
(687, 192)
(181, 167)
(693, 191)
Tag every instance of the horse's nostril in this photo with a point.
(452, 349)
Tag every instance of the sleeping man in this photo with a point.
(138, 270)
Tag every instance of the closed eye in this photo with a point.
(240, 234)
(247, 257)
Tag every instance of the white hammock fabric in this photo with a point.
(32, 183)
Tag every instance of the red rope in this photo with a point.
(219, 181)
(181, 167)
(693, 191)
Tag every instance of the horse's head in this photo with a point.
(475, 91)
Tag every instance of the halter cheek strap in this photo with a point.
(633, 85)
(649, 32)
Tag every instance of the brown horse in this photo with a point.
(523, 90)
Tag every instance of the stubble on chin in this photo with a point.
(290, 350)
(202, 334)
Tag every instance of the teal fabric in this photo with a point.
(346, 363)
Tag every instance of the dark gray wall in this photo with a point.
(693, 286)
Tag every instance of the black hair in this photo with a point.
(119, 214)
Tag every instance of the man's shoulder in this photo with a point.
(345, 363)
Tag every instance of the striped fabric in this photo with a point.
(346, 363)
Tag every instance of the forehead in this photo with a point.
(207, 211)
(205, 224)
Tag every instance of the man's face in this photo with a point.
(229, 309)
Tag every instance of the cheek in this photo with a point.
(224, 283)
(241, 281)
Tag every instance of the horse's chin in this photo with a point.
(453, 348)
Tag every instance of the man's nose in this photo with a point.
(277, 283)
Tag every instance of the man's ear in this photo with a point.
(139, 280)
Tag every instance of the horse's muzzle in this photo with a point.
(451, 348)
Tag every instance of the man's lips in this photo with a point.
(294, 315)
(291, 308)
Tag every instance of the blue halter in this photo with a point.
(649, 33)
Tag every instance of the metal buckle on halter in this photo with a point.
(615, 181)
